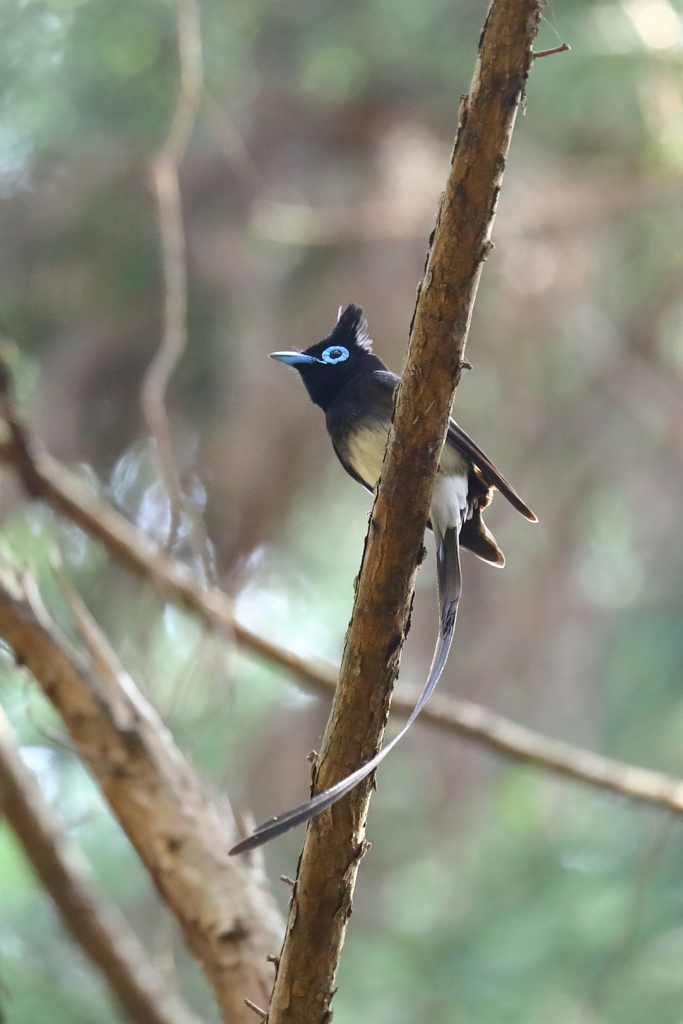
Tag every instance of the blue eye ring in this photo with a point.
(335, 354)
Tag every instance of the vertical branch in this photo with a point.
(167, 188)
(98, 928)
(69, 496)
(335, 841)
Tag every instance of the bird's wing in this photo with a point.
(464, 444)
(470, 450)
(449, 580)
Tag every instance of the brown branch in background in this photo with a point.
(335, 843)
(178, 827)
(167, 188)
(472, 721)
(47, 479)
(99, 928)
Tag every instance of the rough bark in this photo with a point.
(335, 842)
(46, 479)
(69, 496)
(179, 828)
(98, 927)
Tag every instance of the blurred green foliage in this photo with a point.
(505, 898)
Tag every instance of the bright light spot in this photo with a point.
(610, 30)
(41, 762)
(15, 150)
(274, 612)
(125, 474)
(74, 543)
(154, 515)
(656, 22)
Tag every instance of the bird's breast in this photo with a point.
(365, 451)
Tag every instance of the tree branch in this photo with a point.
(174, 340)
(179, 829)
(99, 928)
(335, 843)
(472, 721)
(46, 478)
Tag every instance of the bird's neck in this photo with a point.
(324, 387)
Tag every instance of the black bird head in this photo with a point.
(326, 367)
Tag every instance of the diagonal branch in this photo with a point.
(98, 927)
(178, 827)
(335, 841)
(47, 479)
(500, 734)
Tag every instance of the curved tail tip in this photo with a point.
(243, 847)
(250, 843)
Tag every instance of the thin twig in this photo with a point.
(180, 830)
(174, 341)
(564, 48)
(98, 927)
(500, 734)
(47, 479)
(257, 1009)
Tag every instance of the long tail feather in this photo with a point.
(449, 579)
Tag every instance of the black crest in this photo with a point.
(351, 329)
(325, 377)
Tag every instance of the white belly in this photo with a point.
(449, 502)
(449, 498)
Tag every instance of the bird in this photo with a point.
(356, 391)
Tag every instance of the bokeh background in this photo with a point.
(493, 894)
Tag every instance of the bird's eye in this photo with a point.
(335, 354)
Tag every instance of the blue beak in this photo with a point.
(293, 358)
